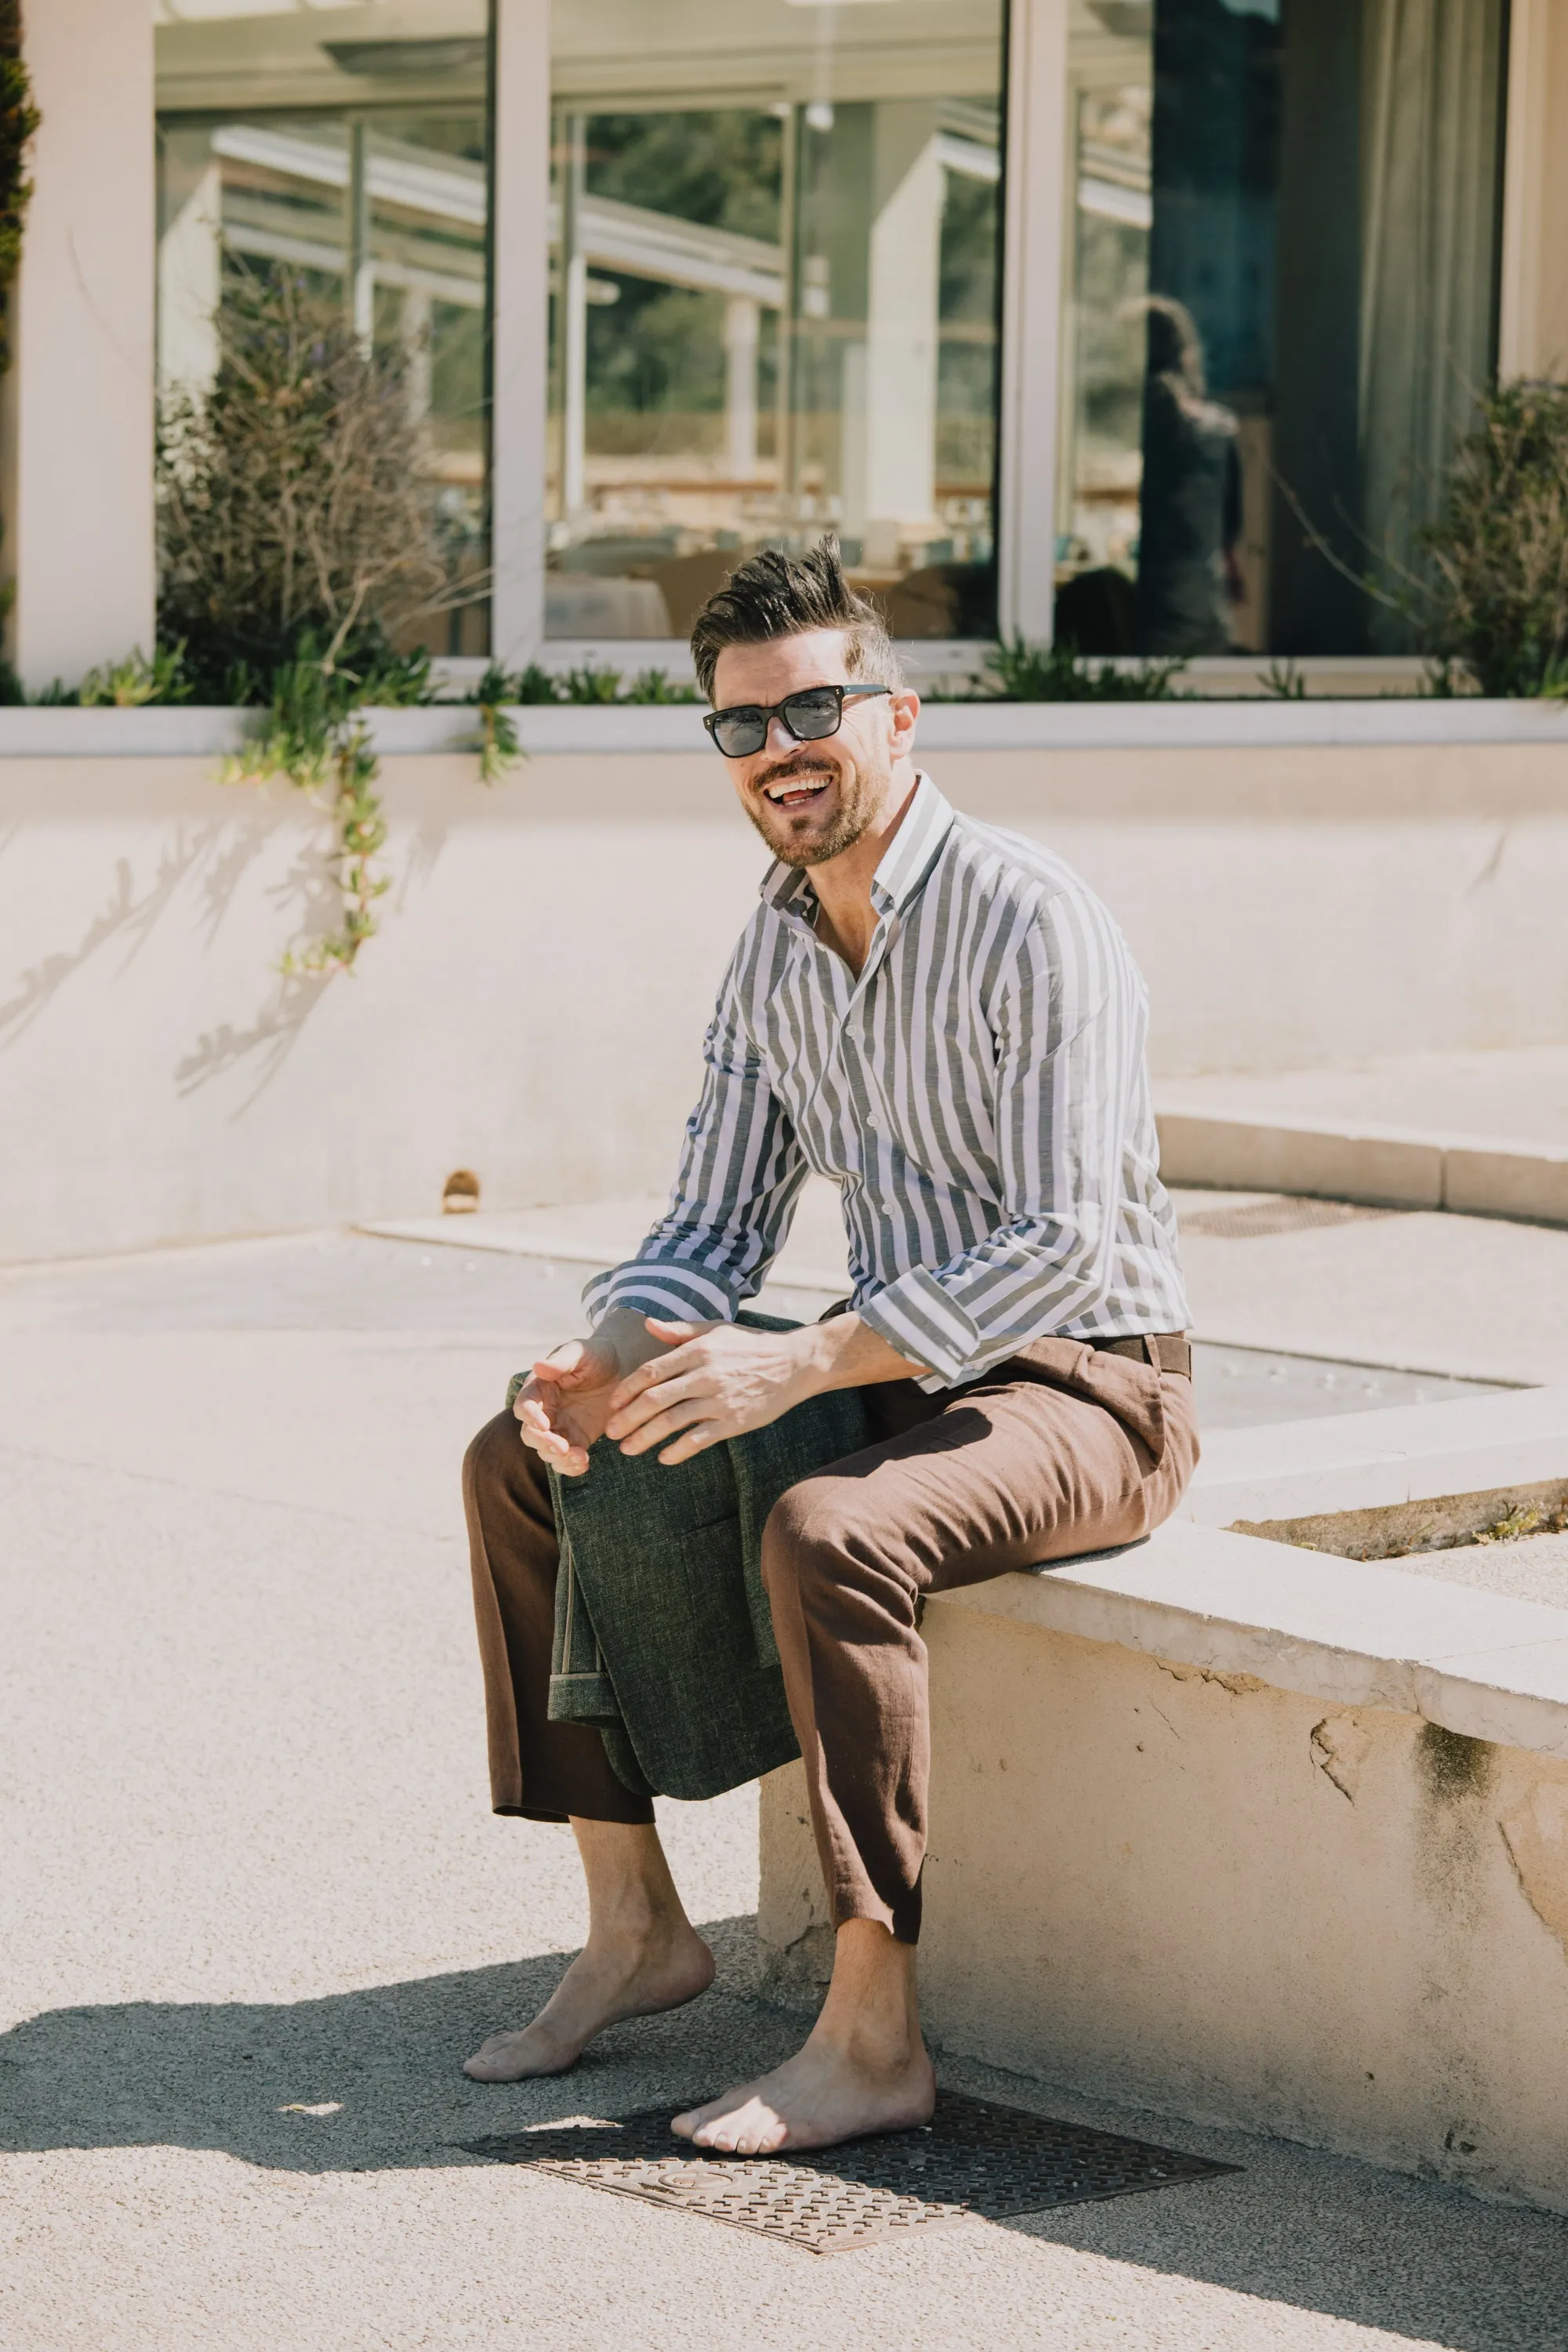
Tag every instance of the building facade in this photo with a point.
(1147, 324)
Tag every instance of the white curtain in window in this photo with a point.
(1431, 119)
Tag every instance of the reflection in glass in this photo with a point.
(1281, 293)
(348, 145)
(1190, 493)
(774, 247)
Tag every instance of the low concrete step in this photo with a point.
(1486, 1134)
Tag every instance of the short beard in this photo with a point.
(855, 813)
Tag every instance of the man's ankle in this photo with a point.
(637, 1921)
(884, 2045)
(871, 2015)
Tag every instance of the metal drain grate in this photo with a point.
(973, 2159)
(1252, 1220)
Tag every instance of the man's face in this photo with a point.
(809, 802)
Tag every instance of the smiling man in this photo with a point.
(944, 1021)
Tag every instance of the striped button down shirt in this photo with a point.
(979, 1092)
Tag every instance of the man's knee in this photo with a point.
(803, 1539)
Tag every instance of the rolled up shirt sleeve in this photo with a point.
(1066, 1022)
(740, 1173)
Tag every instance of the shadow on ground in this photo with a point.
(236, 2076)
(1293, 2228)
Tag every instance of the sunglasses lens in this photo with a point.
(738, 733)
(813, 714)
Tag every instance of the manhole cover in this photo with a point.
(971, 2159)
(1252, 1220)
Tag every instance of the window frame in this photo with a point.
(1033, 93)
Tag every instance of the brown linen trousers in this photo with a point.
(1062, 1450)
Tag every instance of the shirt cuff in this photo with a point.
(916, 1316)
(677, 1294)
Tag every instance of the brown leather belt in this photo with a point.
(1166, 1349)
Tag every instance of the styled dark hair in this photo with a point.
(775, 595)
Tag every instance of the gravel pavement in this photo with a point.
(249, 1873)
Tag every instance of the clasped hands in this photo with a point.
(650, 1383)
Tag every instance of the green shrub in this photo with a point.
(292, 502)
(1497, 586)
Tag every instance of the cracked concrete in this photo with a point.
(1535, 1833)
(1339, 1747)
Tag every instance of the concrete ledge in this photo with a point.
(1383, 1167)
(1242, 1832)
(1353, 1634)
(1380, 1461)
(159, 731)
(186, 730)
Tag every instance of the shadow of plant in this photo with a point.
(310, 889)
(272, 1035)
(217, 861)
(128, 915)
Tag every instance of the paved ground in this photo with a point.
(249, 1874)
(1470, 1296)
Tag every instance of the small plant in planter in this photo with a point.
(1496, 590)
(1020, 672)
(298, 540)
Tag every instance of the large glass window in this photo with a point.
(349, 145)
(775, 232)
(1282, 292)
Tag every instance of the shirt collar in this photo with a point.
(906, 862)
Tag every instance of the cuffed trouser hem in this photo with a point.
(586, 1811)
(903, 1924)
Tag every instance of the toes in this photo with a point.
(485, 2070)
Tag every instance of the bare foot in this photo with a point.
(611, 1979)
(822, 2094)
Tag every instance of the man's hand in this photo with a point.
(719, 1380)
(564, 1406)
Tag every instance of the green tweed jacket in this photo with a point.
(663, 1635)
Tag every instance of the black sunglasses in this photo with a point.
(809, 715)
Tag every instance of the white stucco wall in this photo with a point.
(77, 405)
(534, 1005)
